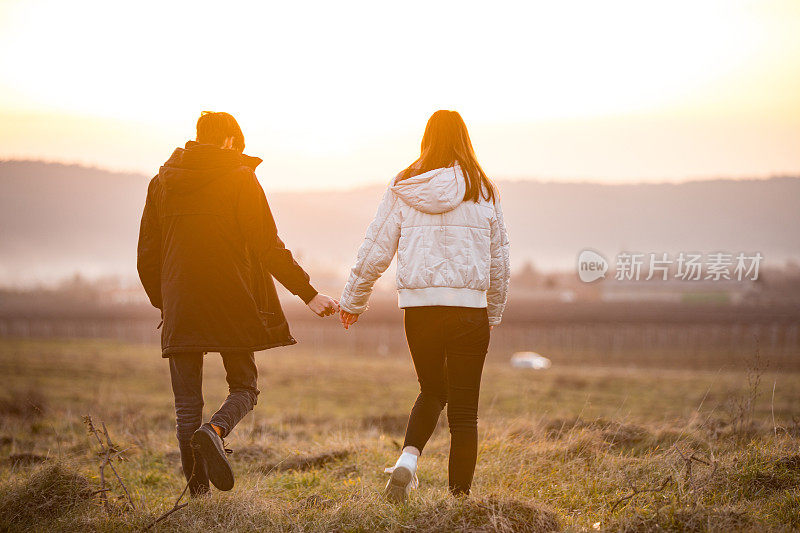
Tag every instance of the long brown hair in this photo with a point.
(446, 142)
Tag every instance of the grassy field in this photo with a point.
(570, 448)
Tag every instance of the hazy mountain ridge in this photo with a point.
(56, 219)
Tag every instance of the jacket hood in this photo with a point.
(197, 165)
(433, 192)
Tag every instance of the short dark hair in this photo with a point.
(214, 127)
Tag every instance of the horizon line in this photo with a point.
(507, 179)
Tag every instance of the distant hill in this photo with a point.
(58, 219)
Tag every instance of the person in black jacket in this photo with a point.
(208, 251)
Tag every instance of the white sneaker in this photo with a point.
(401, 482)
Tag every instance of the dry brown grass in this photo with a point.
(50, 493)
(575, 449)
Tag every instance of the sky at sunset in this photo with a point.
(336, 94)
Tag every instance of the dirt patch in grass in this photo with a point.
(25, 404)
(586, 446)
(51, 491)
(386, 423)
(716, 428)
(25, 458)
(762, 479)
(346, 471)
(483, 516)
(271, 431)
(524, 430)
(613, 433)
(610, 429)
(252, 453)
(570, 382)
(295, 419)
(625, 435)
(559, 427)
(697, 520)
(303, 462)
(791, 463)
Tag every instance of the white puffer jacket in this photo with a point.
(449, 252)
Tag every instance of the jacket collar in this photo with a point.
(196, 165)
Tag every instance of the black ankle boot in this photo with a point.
(210, 447)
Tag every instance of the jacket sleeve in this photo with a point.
(500, 268)
(374, 256)
(148, 256)
(261, 234)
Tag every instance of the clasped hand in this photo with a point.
(323, 305)
(348, 319)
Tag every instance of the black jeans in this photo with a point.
(186, 371)
(448, 346)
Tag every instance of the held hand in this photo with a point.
(348, 319)
(323, 305)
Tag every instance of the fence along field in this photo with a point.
(640, 334)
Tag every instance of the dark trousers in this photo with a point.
(448, 346)
(186, 371)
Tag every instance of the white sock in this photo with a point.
(407, 460)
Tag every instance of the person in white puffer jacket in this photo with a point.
(442, 218)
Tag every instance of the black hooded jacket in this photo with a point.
(208, 250)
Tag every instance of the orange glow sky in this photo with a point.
(336, 94)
